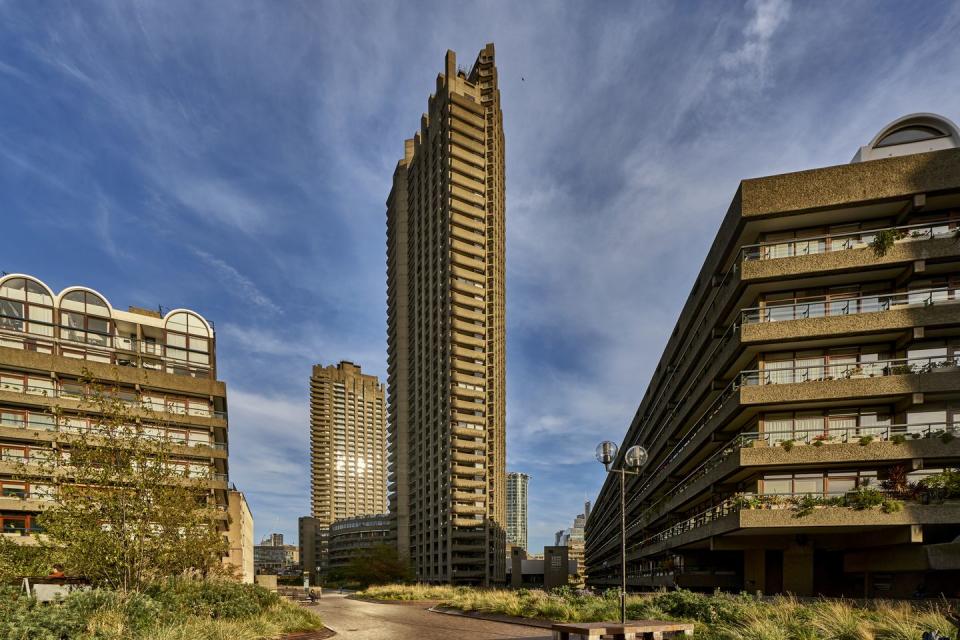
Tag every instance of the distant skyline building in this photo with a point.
(517, 519)
(348, 452)
(573, 538)
(447, 333)
(272, 556)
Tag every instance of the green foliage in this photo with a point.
(718, 616)
(947, 481)
(212, 599)
(378, 565)
(889, 505)
(19, 560)
(865, 498)
(787, 445)
(884, 241)
(161, 522)
(176, 610)
(865, 440)
(898, 439)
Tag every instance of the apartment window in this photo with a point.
(26, 306)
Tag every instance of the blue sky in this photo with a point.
(234, 158)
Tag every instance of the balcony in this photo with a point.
(847, 371)
(861, 239)
(928, 441)
(33, 393)
(816, 382)
(106, 349)
(794, 513)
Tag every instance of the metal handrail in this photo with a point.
(755, 251)
(140, 347)
(827, 371)
(54, 392)
(826, 434)
(900, 366)
(872, 303)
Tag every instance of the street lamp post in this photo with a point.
(634, 458)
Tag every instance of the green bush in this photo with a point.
(212, 599)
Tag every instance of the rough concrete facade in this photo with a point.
(810, 359)
(446, 333)
(163, 366)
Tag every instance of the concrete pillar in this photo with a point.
(798, 570)
(754, 570)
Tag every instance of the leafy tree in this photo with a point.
(378, 565)
(124, 515)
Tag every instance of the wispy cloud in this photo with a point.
(236, 284)
(753, 52)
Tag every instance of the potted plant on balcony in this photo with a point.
(884, 241)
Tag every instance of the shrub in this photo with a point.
(889, 505)
(865, 498)
(898, 439)
(865, 440)
(787, 445)
(947, 437)
(217, 599)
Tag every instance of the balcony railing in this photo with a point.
(19, 423)
(840, 371)
(189, 474)
(784, 376)
(825, 435)
(819, 307)
(747, 501)
(843, 241)
(70, 394)
(113, 347)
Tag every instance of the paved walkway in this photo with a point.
(357, 620)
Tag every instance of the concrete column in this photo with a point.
(798, 570)
(754, 570)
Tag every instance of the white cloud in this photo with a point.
(753, 53)
(236, 284)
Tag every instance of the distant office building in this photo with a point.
(165, 362)
(517, 509)
(573, 538)
(240, 537)
(814, 368)
(271, 556)
(348, 452)
(352, 536)
(447, 333)
(312, 546)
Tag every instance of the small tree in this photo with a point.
(123, 514)
(378, 565)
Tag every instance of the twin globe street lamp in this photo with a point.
(633, 459)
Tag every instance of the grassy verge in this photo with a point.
(175, 610)
(719, 617)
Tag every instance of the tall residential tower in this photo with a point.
(447, 333)
(348, 452)
(517, 509)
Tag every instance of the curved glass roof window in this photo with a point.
(26, 305)
(915, 133)
(85, 317)
(187, 344)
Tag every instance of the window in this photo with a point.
(85, 318)
(912, 133)
(26, 306)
